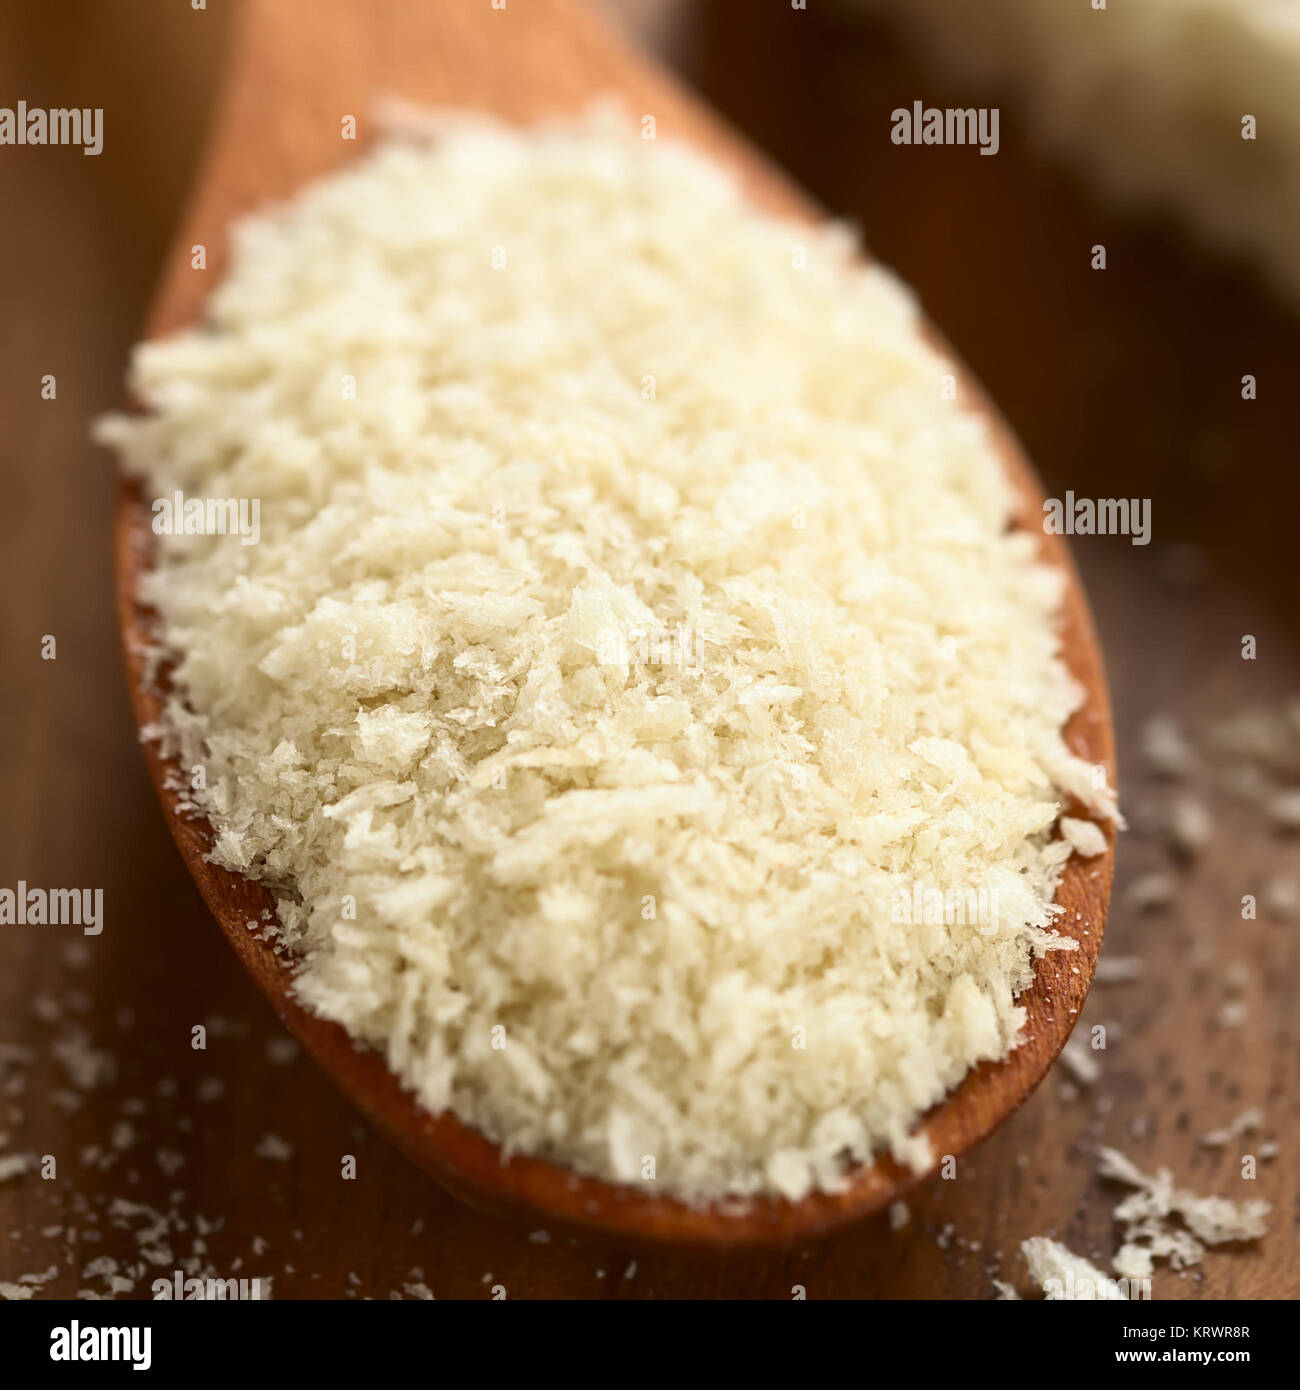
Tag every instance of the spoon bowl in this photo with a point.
(291, 83)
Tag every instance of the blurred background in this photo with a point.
(1123, 383)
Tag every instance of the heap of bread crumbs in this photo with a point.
(521, 408)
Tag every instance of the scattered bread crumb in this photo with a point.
(1166, 751)
(273, 1147)
(1151, 892)
(1284, 809)
(1245, 1123)
(1191, 825)
(14, 1166)
(1117, 970)
(1282, 898)
(1149, 1212)
(1065, 1276)
(1081, 1061)
(1087, 838)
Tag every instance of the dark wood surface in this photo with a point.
(1122, 383)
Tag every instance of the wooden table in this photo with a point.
(1121, 383)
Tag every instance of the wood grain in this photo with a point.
(1116, 382)
(279, 124)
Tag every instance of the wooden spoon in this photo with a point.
(294, 74)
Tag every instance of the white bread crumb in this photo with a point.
(1117, 970)
(1151, 892)
(1081, 1061)
(1191, 825)
(1065, 1276)
(1088, 838)
(1282, 898)
(1165, 749)
(1148, 1215)
(1245, 1123)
